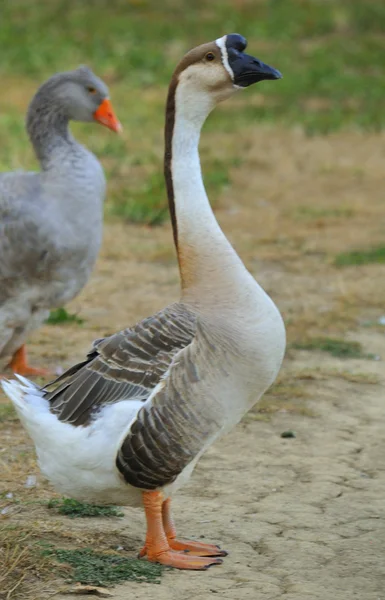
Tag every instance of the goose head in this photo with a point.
(212, 72)
(77, 95)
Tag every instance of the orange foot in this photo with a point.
(179, 560)
(196, 548)
(162, 546)
(20, 365)
(188, 547)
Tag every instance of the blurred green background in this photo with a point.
(331, 54)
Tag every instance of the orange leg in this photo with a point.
(20, 365)
(157, 547)
(196, 548)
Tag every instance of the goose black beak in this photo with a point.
(248, 70)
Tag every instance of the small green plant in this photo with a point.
(72, 508)
(315, 212)
(361, 257)
(335, 347)
(60, 316)
(7, 413)
(93, 568)
(149, 213)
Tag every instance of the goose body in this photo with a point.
(50, 221)
(128, 425)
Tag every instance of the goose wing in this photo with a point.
(184, 415)
(127, 365)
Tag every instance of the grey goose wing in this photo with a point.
(127, 365)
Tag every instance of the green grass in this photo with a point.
(315, 212)
(335, 347)
(7, 413)
(146, 204)
(361, 257)
(102, 569)
(216, 175)
(329, 51)
(330, 54)
(73, 508)
(60, 316)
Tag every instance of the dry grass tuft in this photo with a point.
(24, 572)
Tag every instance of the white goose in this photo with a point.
(128, 425)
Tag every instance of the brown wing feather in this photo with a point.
(170, 431)
(126, 365)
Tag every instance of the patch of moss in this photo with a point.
(316, 212)
(335, 347)
(361, 257)
(72, 508)
(60, 316)
(106, 570)
(7, 413)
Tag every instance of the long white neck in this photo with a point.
(208, 264)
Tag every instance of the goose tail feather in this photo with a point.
(25, 395)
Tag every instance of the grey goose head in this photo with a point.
(77, 95)
(219, 68)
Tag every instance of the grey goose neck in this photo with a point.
(48, 129)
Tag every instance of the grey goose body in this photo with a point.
(51, 220)
(129, 423)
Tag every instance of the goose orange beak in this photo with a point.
(106, 116)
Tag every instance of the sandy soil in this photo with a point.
(301, 518)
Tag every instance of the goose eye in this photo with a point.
(91, 90)
(210, 56)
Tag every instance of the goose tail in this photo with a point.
(26, 397)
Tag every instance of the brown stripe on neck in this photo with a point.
(168, 135)
(190, 58)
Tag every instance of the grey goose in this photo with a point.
(51, 220)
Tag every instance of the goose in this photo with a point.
(128, 424)
(51, 221)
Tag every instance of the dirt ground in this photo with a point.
(304, 517)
